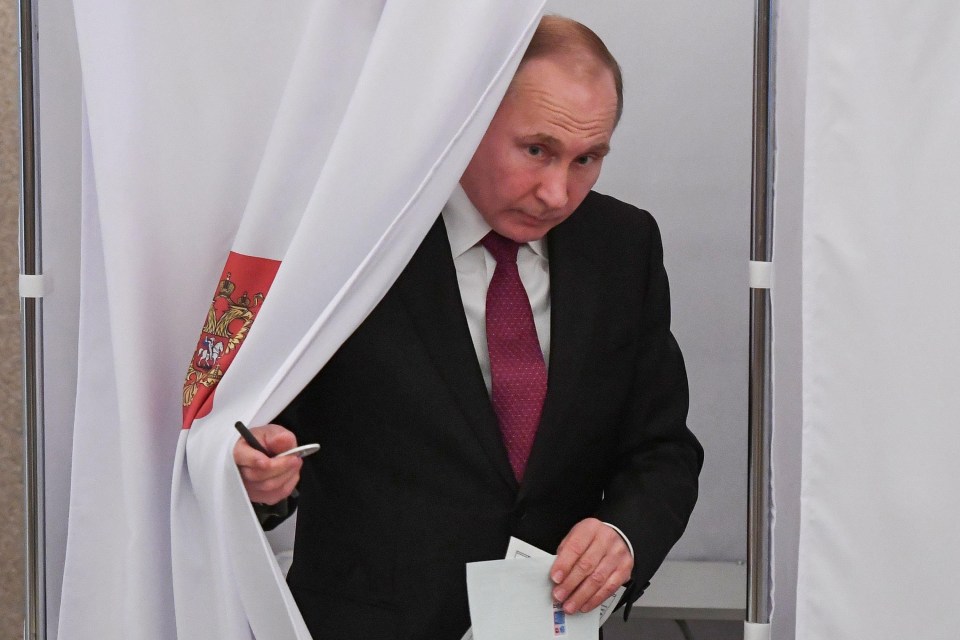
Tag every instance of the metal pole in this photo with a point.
(761, 250)
(34, 627)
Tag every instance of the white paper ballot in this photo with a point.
(517, 550)
(511, 600)
(520, 549)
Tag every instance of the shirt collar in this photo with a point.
(466, 226)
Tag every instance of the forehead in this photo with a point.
(565, 95)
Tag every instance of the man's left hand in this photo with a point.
(592, 562)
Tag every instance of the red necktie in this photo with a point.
(516, 362)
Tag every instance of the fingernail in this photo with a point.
(557, 577)
(559, 595)
(569, 608)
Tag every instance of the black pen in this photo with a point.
(302, 451)
(250, 439)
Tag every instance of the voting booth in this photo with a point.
(820, 335)
(694, 177)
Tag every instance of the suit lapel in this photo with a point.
(574, 282)
(431, 295)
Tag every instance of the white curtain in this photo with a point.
(324, 135)
(880, 510)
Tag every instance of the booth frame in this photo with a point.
(759, 577)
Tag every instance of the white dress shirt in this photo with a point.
(475, 266)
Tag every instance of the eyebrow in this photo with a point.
(602, 149)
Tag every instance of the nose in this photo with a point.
(552, 190)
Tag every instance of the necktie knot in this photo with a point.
(504, 250)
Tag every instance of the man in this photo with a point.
(443, 431)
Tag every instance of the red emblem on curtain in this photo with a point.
(243, 286)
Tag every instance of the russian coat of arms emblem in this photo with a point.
(228, 321)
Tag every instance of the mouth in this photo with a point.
(537, 218)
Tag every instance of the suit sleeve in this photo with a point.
(653, 487)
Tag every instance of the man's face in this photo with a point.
(543, 151)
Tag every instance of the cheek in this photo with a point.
(581, 182)
(510, 184)
(515, 185)
(577, 190)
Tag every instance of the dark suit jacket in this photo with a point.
(412, 480)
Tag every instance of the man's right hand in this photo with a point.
(268, 480)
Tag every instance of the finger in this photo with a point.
(275, 439)
(584, 567)
(290, 486)
(271, 491)
(610, 574)
(263, 469)
(571, 549)
(274, 489)
(246, 456)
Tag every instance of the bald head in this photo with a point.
(578, 47)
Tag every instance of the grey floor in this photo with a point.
(645, 629)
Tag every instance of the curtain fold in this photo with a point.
(286, 159)
(881, 299)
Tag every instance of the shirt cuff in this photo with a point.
(622, 535)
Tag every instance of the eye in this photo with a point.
(534, 150)
(585, 160)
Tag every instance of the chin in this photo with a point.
(523, 234)
(522, 231)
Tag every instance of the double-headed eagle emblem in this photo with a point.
(227, 323)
